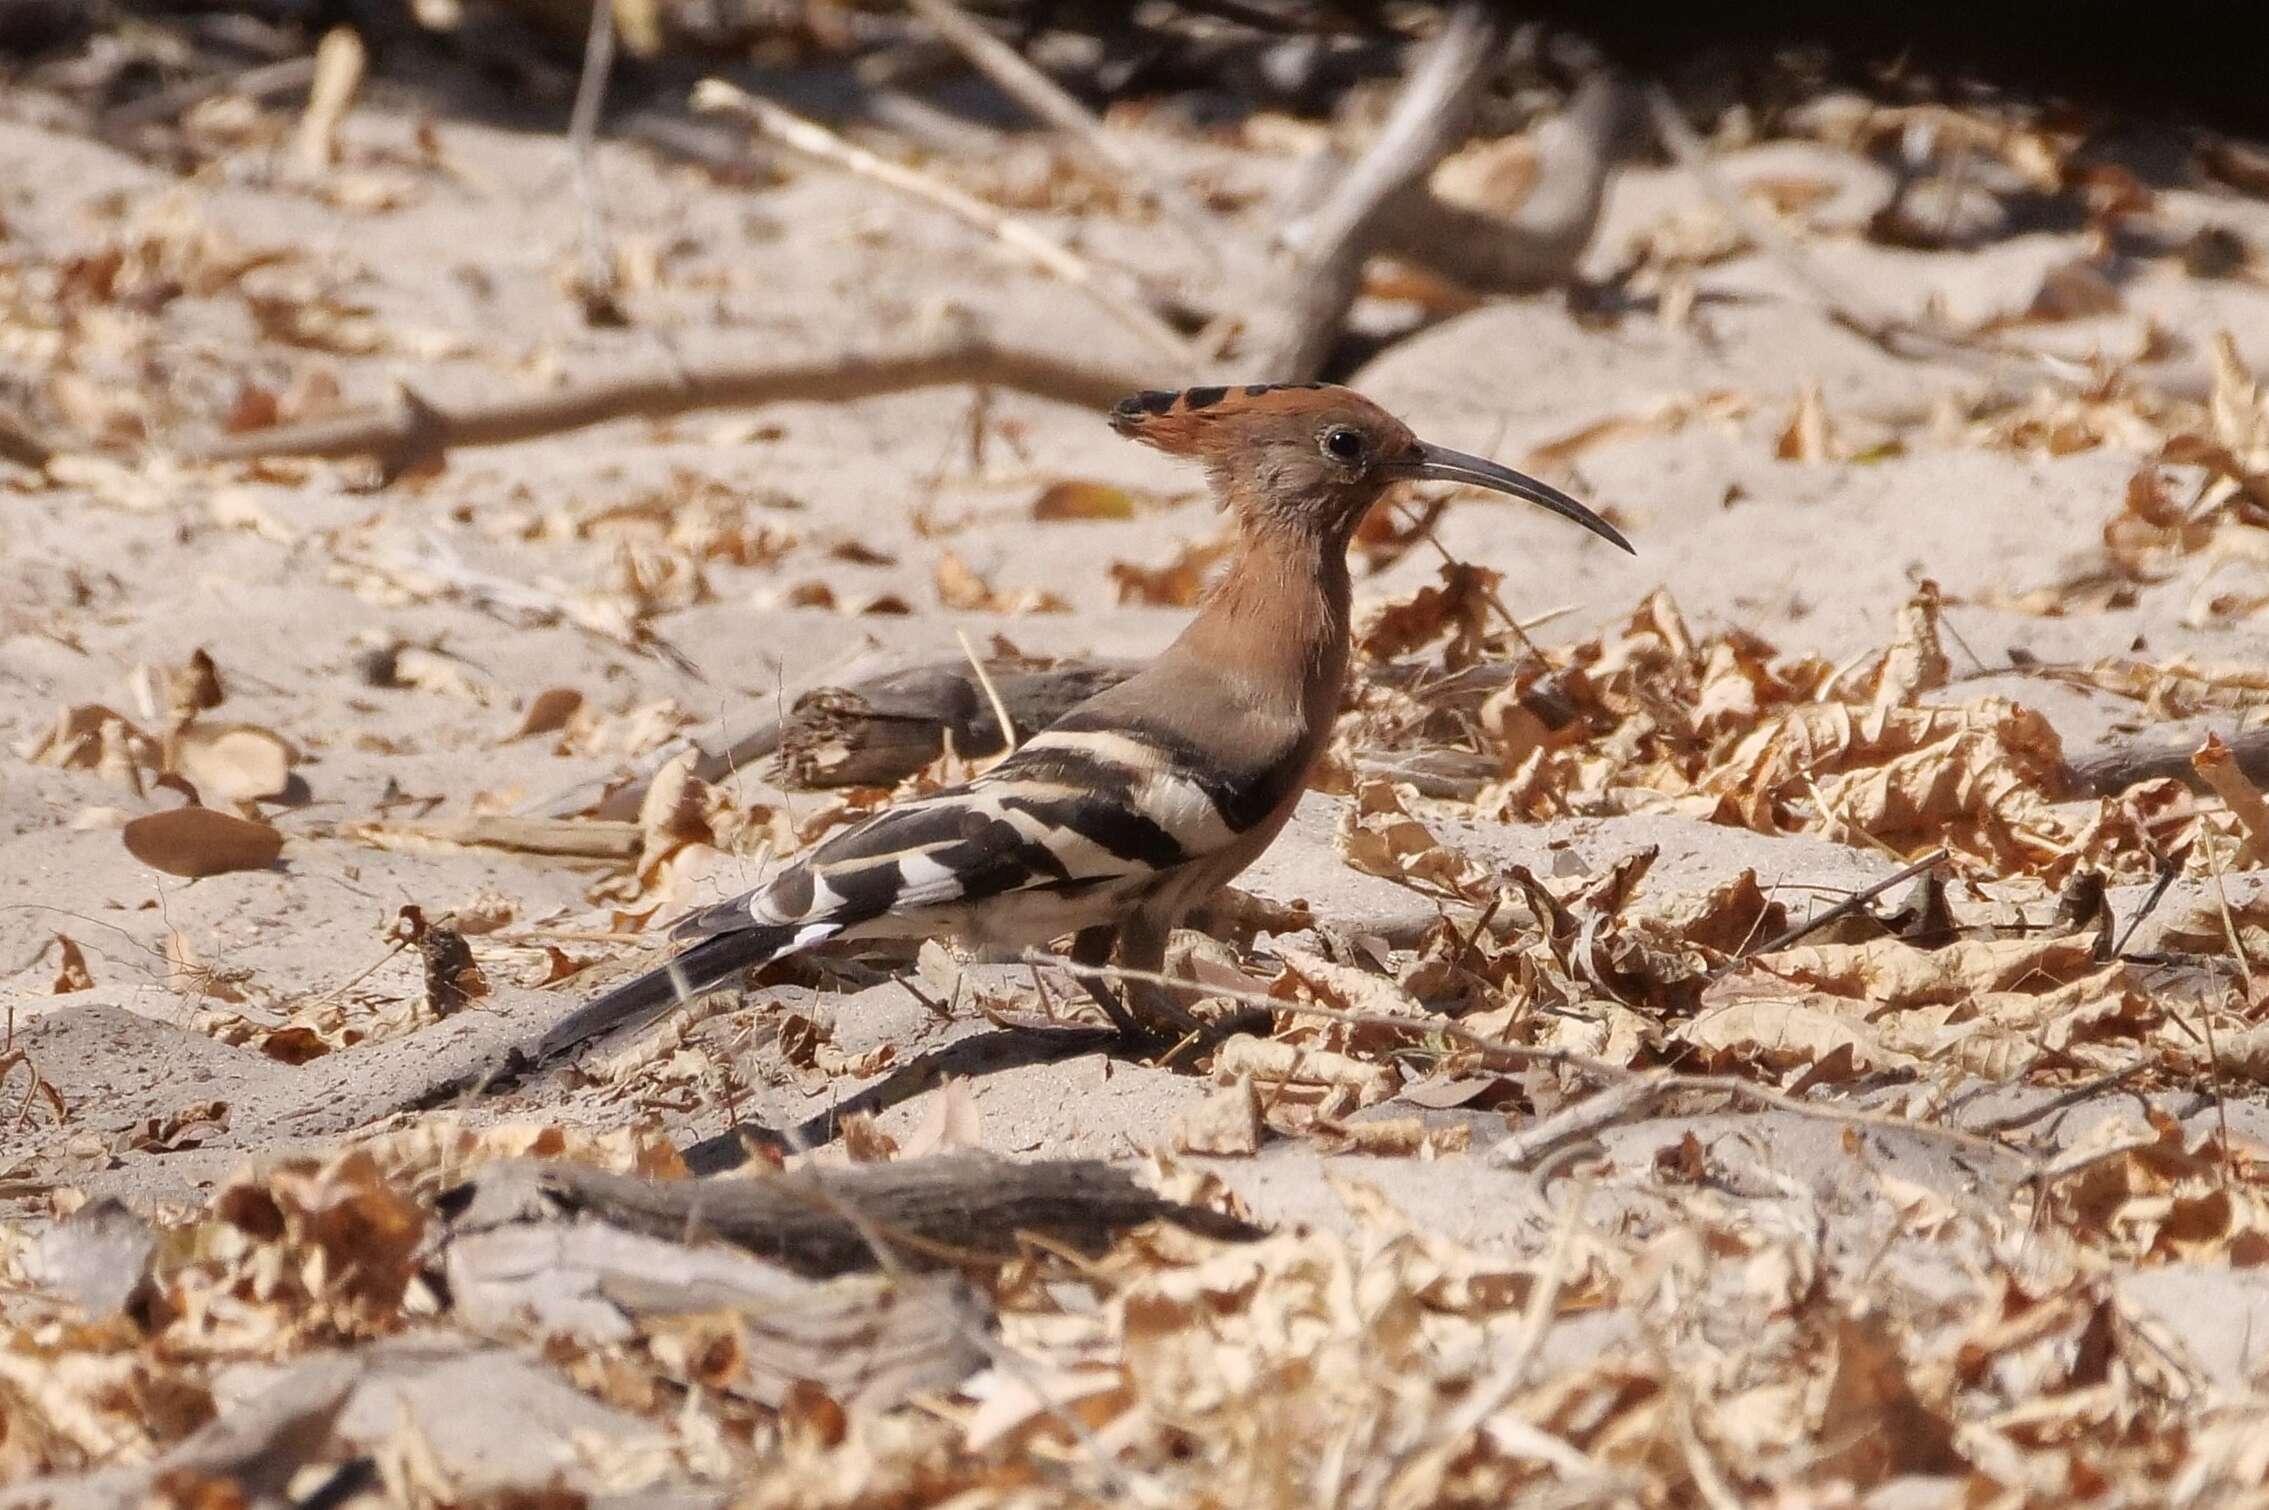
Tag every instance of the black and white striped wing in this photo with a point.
(1072, 813)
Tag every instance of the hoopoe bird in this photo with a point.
(1114, 821)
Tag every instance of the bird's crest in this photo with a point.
(1203, 421)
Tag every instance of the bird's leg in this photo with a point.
(1142, 946)
(1092, 947)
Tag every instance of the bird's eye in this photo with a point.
(1343, 444)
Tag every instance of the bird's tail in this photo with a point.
(707, 963)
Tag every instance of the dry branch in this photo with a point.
(2112, 769)
(885, 729)
(953, 1208)
(412, 432)
(867, 1340)
(1429, 118)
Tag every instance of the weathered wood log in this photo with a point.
(951, 1209)
(885, 729)
(865, 1339)
(2111, 769)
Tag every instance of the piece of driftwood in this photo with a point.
(1429, 118)
(885, 729)
(411, 432)
(950, 1209)
(868, 1340)
(2111, 769)
(867, 730)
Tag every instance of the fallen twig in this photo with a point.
(411, 432)
(816, 141)
(1538, 243)
(1845, 908)
(2112, 769)
(597, 279)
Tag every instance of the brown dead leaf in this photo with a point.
(549, 712)
(1378, 836)
(1177, 584)
(200, 841)
(1292, 1070)
(2219, 770)
(71, 973)
(1808, 436)
(959, 587)
(2075, 290)
(1460, 609)
(1078, 498)
(1874, 1423)
(187, 974)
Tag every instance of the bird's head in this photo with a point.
(1314, 456)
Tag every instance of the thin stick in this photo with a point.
(992, 693)
(1844, 908)
(2168, 871)
(816, 141)
(582, 125)
(259, 82)
(1052, 103)
(2083, 1092)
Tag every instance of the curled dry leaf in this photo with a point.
(1460, 608)
(200, 841)
(231, 762)
(2217, 768)
(959, 587)
(1378, 836)
(1177, 584)
(71, 973)
(549, 711)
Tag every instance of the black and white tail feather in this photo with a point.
(1084, 822)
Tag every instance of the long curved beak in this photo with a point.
(1441, 464)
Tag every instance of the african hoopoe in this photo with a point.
(1115, 820)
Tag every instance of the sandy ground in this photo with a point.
(287, 576)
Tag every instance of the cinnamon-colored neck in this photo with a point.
(1277, 622)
